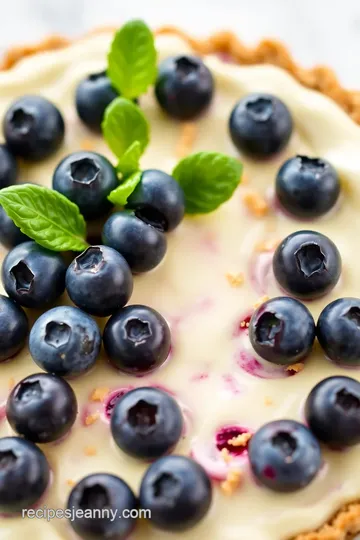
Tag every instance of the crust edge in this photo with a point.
(346, 522)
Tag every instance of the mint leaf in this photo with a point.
(208, 180)
(119, 196)
(129, 162)
(124, 123)
(46, 216)
(132, 60)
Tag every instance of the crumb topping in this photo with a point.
(268, 401)
(225, 455)
(90, 451)
(187, 139)
(91, 418)
(261, 300)
(232, 483)
(70, 482)
(255, 203)
(100, 393)
(295, 367)
(240, 440)
(88, 145)
(235, 280)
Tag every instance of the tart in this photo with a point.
(211, 286)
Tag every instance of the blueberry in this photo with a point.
(93, 95)
(177, 492)
(10, 234)
(33, 128)
(113, 498)
(284, 456)
(282, 331)
(307, 264)
(158, 200)
(42, 408)
(137, 339)
(332, 411)
(260, 125)
(24, 474)
(338, 331)
(146, 423)
(99, 281)
(14, 328)
(33, 276)
(142, 245)
(86, 179)
(65, 341)
(307, 187)
(8, 167)
(184, 87)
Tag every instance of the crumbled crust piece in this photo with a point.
(232, 483)
(267, 246)
(99, 394)
(344, 526)
(187, 139)
(91, 418)
(295, 367)
(88, 145)
(261, 301)
(240, 440)
(268, 401)
(255, 203)
(90, 451)
(70, 482)
(226, 456)
(235, 280)
(244, 324)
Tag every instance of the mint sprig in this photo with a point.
(208, 180)
(120, 195)
(132, 60)
(46, 216)
(130, 160)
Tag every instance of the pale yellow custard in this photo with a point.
(211, 278)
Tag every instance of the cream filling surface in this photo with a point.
(209, 371)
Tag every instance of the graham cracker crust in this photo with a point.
(346, 523)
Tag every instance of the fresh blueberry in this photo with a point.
(307, 264)
(33, 276)
(137, 339)
(282, 331)
(99, 281)
(307, 187)
(86, 179)
(8, 167)
(146, 423)
(142, 245)
(93, 95)
(65, 341)
(33, 128)
(177, 492)
(332, 411)
(338, 331)
(24, 474)
(42, 408)
(10, 234)
(260, 125)
(284, 456)
(184, 87)
(111, 496)
(158, 200)
(14, 328)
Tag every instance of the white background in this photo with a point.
(317, 31)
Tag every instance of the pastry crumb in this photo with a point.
(261, 300)
(90, 451)
(235, 280)
(295, 367)
(232, 483)
(99, 394)
(240, 440)
(187, 139)
(88, 145)
(255, 203)
(70, 482)
(91, 418)
(225, 455)
(267, 246)
(11, 383)
(268, 401)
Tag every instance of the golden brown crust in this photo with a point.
(346, 522)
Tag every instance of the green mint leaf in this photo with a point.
(132, 60)
(208, 180)
(124, 123)
(46, 216)
(120, 195)
(130, 160)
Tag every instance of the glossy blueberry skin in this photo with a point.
(86, 179)
(307, 187)
(102, 491)
(93, 95)
(99, 281)
(284, 456)
(307, 264)
(338, 331)
(14, 328)
(332, 411)
(24, 474)
(65, 341)
(178, 492)
(142, 245)
(282, 331)
(184, 87)
(33, 276)
(42, 408)
(158, 200)
(260, 125)
(146, 423)
(8, 167)
(137, 339)
(34, 128)
(10, 234)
